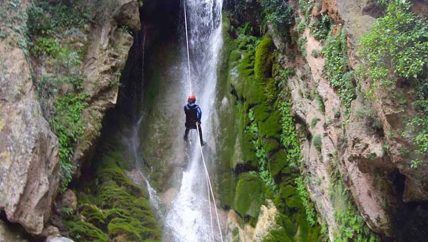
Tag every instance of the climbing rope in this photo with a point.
(207, 175)
(187, 48)
(210, 188)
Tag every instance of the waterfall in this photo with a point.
(189, 216)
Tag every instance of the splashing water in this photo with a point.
(189, 216)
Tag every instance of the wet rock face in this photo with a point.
(28, 149)
(108, 47)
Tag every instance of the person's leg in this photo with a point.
(186, 134)
(200, 135)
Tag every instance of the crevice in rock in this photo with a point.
(15, 230)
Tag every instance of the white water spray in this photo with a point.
(189, 216)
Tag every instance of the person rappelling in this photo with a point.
(193, 118)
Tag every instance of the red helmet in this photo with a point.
(191, 99)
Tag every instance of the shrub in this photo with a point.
(336, 68)
(351, 225)
(396, 47)
(279, 13)
(301, 44)
(289, 137)
(68, 125)
(306, 201)
(320, 101)
(306, 8)
(45, 46)
(257, 141)
(320, 27)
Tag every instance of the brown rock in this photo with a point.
(29, 171)
(128, 15)
(107, 53)
(69, 200)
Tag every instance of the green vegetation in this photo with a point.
(301, 44)
(257, 141)
(311, 216)
(289, 137)
(396, 49)
(396, 46)
(263, 58)
(320, 27)
(337, 69)
(111, 207)
(48, 23)
(268, 138)
(351, 225)
(306, 8)
(68, 125)
(60, 87)
(249, 195)
(279, 13)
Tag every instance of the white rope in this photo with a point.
(210, 189)
(211, 214)
(187, 48)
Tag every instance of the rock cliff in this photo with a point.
(60, 71)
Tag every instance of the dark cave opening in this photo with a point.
(410, 219)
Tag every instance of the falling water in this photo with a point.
(189, 216)
(132, 141)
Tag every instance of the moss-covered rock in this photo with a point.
(111, 206)
(277, 162)
(84, 231)
(249, 195)
(268, 143)
(263, 58)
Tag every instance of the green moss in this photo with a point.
(262, 112)
(127, 228)
(271, 146)
(272, 126)
(83, 231)
(269, 139)
(277, 162)
(93, 214)
(113, 205)
(249, 195)
(263, 59)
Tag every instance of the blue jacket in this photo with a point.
(193, 114)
